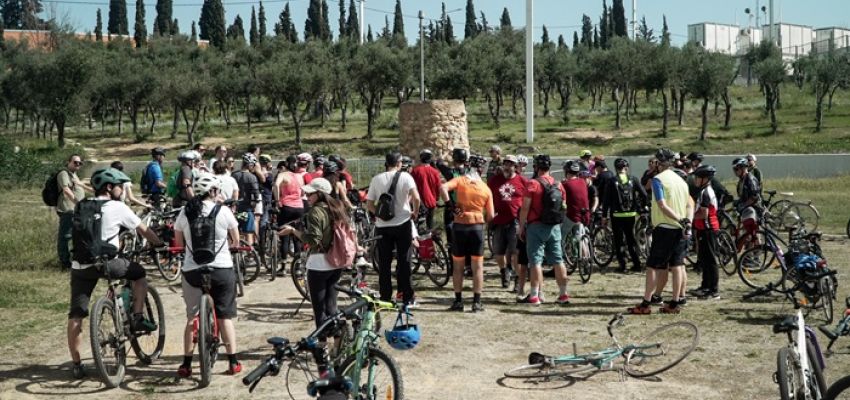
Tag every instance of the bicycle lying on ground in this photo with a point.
(657, 352)
(799, 365)
(842, 329)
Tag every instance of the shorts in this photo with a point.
(83, 282)
(504, 238)
(668, 249)
(543, 243)
(222, 290)
(467, 240)
(248, 224)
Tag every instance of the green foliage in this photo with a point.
(28, 166)
(140, 30)
(618, 17)
(117, 24)
(98, 27)
(212, 23)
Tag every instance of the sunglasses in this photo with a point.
(78, 162)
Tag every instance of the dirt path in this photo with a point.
(463, 356)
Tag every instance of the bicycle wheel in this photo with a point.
(840, 390)
(603, 246)
(148, 346)
(273, 256)
(379, 377)
(778, 211)
(788, 375)
(207, 340)
(169, 265)
(819, 388)
(827, 292)
(809, 216)
(759, 267)
(440, 268)
(240, 274)
(299, 373)
(725, 249)
(251, 265)
(126, 245)
(298, 272)
(107, 346)
(662, 349)
(643, 236)
(547, 370)
(567, 250)
(585, 265)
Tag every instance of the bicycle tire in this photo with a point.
(778, 210)
(207, 347)
(251, 264)
(440, 270)
(643, 237)
(569, 258)
(847, 230)
(636, 358)
(817, 371)
(169, 265)
(691, 254)
(755, 268)
(603, 246)
(727, 257)
(839, 390)
(585, 265)
(298, 272)
(827, 292)
(375, 355)
(787, 375)
(148, 347)
(547, 370)
(299, 373)
(107, 343)
(273, 262)
(809, 216)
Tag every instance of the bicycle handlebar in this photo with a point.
(259, 372)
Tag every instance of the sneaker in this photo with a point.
(640, 309)
(234, 368)
(668, 309)
(477, 306)
(542, 298)
(522, 299)
(184, 371)
(456, 306)
(141, 324)
(398, 297)
(710, 295)
(78, 371)
(656, 300)
(534, 300)
(505, 278)
(564, 299)
(682, 301)
(698, 292)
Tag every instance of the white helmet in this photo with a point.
(205, 182)
(304, 158)
(189, 155)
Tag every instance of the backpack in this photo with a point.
(343, 247)
(385, 206)
(553, 204)
(171, 189)
(202, 230)
(625, 194)
(144, 181)
(50, 193)
(86, 234)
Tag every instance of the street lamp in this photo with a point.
(529, 71)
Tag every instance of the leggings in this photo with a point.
(287, 215)
(625, 227)
(322, 293)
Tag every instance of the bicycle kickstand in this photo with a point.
(301, 304)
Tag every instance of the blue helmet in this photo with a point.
(404, 335)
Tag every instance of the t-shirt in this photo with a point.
(115, 215)
(707, 200)
(290, 195)
(68, 179)
(673, 190)
(534, 191)
(154, 174)
(428, 182)
(249, 190)
(381, 184)
(223, 222)
(349, 181)
(473, 200)
(228, 185)
(602, 180)
(507, 197)
(313, 175)
(748, 188)
(577, 197)
(185, 173)
(127, 186)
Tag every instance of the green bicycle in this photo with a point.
(657, 352)
(578, 251)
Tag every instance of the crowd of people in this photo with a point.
(528, 211)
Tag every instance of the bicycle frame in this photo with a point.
(605, 358)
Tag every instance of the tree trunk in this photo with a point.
(618, 103)
(134, 117)
(248, 112)
(593, 99)
(343, 110)
(60, 131)
(174, 123)
(716, 107)
(727, 102)
(153, 121)
(831, 93)
(674, 100)
(634, 101)
(681, 107)
(296, 122)
(771, 108)
(704, 119)
(545, 102)
(665, 114)
(120, 118)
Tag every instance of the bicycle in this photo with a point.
(132, 245)
(246, 263)
(841, 329)
(799, 365)
(791, 213)
(756, 263)
(269, 246)
(643, 233)
(110, 329)
(430, 254)
(578, 252)
(351, 358)
(602, 239)
(659, 351)
(205, 332)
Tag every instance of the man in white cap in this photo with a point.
(495, 161)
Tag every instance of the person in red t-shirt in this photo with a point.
(427, 179)
(706, 225)
(508, 189)
(543, 240)
(318, 169)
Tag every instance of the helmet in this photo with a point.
(752, 157)
(695, 157)
(705, 171)
(522, 159)
(621, 163)
(585, 153)
(319, 160)
(495, 148)
(334, 158)
(583, 171)
(404, 335)
(304, 158)
(205, 182)
(571, 166)
(682, 174)
(265, 158)
(190, 155)
(542, 161)
(476, 161)
(406, 162)
(426, 155)
(331, 168)
(157, 151)
(249, 158)
(739, 163)
(665, 155)
(460, 155)
(102, 177)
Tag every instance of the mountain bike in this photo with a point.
(602, 239)
(842, 329)
(788, 213)
(799, 365)
(246, 263)
(643, 233)
(382, 375)
(206, 331)
(430, 254)
(169, 263)
(110, 328)
(578, 251)
(657, 352)
(269, 247)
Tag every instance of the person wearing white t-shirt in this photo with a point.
(222, 276)
(395, 234)
(108, 185)
(229, 187)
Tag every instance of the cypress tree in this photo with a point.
(140, 30)
(353, 24)
(2, 39)
(162, 23)
(117, 24)
(665, 33)
(618, 17)
(595, 38)
(236, 31)
(194, 37)
(285, 26)
(385, 33)
(398, 21)
(471, 27)
(343, 28)
(562, 43)
(369, 37)
(575, 40)
(604, 33)
(326, 24)
(98, 27)
(586, 31)
(212, 23)
(505, 20)
(449, 31)
(175, 27)
(313, 24)
(483, 27)
(261, 17)
(545, 37)
(253, 34)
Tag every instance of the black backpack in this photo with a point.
(86, 235)
(385, 207)
(143, 183)
(50, 193)
(553, 204)
(202, 230)
(625, 194)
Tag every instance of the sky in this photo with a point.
(559, 16)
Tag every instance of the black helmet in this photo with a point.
(695, 157)
(476, 161)
(665, 155)
(572, 167)
(330, 168)
(319, 160)
(291, 162)
(157, 151)
(406, 162)
(426, 155)
(705, 171)
(739, 162)
(621, 163)
(542, 161)
(682, 174)
(460, 155)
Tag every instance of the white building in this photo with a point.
(720, 38)
(794, 40)
(836, 37)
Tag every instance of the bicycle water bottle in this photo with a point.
(125, 296)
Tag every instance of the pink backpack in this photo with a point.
(344, 246)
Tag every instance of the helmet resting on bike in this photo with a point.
(404, 335)
(102, 177)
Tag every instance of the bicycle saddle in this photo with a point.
(770, 192)
(787, 325)
(277, 341)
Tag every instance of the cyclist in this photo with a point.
(201, 150)
(671, 217)
(338, 192)
(472, 208)
(706, 226)
(220, 155)
(522, 250)
(624, 197)
(185, 176)
(495, 161)
(406, 164)
(303, 162)
(229, 188)
(108, 186)
(288, 194)
(751, 164)
(264, 176)
(460, 157)
(585, 159)
(427, 180)
(508, 189)
(127, 193)
(249, 195)
(222, 276)
(541, 225)
(343, 170)
(319, 162)
(749, 198)
(154, 183)
(592, 190)
(603, 177)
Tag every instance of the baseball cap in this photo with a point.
(317, 185)
(510, 157)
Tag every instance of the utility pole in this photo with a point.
(634, 20)
(421, 59)
(529, 71)
(778, 33)
(362, 22)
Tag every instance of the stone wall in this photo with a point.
(439, 125)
